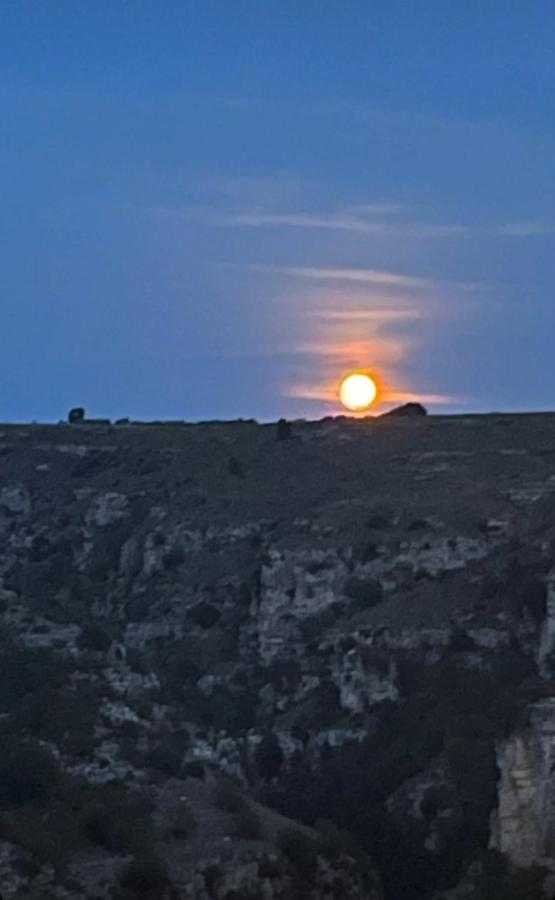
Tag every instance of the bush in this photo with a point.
(174, 557)
(106, 550)
(213, 875)
(50, 836)
(63, 715)
(29, 774)
(113, 819)
(378, 522)
(364, 592)
(179, 821)
(248, 825)
(25, 671)
(234, 712)
(204, 614)
(94, 638)
(301, 852)
(138, 608)
(144, 877)
(227, 797)
(269, 757)
(167, 755)
(194, 769)
(313, 626)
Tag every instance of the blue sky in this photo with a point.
(215, 208)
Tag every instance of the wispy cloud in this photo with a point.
(328, 394)
(258, 203)
(377, 315)
(298, 220)
(411, 397)
(355, 353)
(376, 277)
(348, 221)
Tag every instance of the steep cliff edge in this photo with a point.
(354, 625)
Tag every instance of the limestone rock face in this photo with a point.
(524, 822)
(546, 650)
(15, 499)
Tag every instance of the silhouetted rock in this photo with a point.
(77, 414)
(408, 410)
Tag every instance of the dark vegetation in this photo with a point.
(52, 815)
(454, 714)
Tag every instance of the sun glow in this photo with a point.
(357, 391)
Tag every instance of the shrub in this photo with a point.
(174, 557)
(248, 825)
(25, 671)
(106, 550)
(144, 877)
(367, 552)
(378, 522)
(230, 711)
(269, 756)
(113, 819)
(29, 774)
(64, 715)
(50, 836)
(94, 638)
(212, 877)
(179, 820)
(194, 769)
(314, 625)
(269, 867)
(364, 592)
(301, 852)
(167, 755)
(204, 614)
(138, 608)
(227, 797)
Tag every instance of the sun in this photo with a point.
(357, 391)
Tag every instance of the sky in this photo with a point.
(216, 208)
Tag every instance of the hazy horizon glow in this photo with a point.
(215, 210)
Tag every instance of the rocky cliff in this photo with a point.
(239, 667)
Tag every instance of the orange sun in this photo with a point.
(358, 391)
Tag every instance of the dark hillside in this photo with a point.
(236, 666)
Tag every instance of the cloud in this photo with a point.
(377, 315)
(299, 220)
(355, 353)
(327, 393)
(259, 202)
(412, 397)
(348, 221)
(359, 276)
